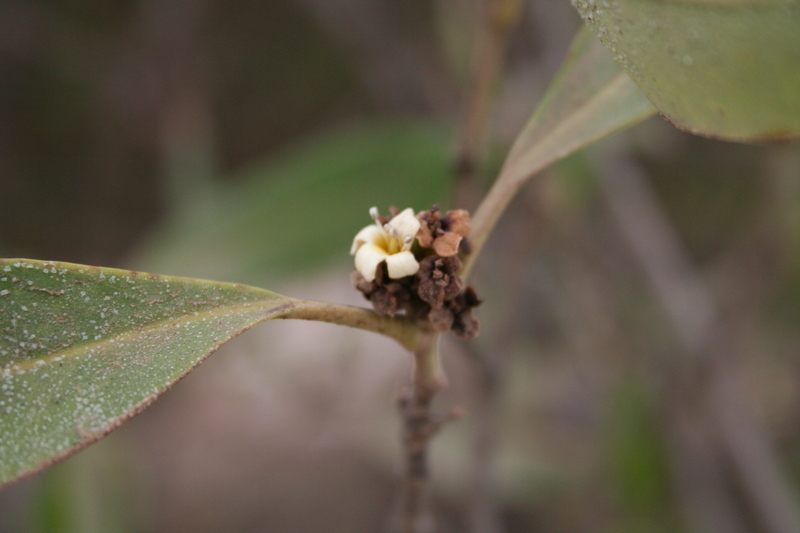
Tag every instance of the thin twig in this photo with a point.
(419, 426)
(401, 329)
(417, 430)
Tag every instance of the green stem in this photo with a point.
(399, 328)
(487, 215)
(429, 375)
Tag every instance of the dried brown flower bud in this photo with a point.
(438, 281)
(390, 298)
(387, 297)
(466, 325)
(457, 221)
(441, 319)
(443, 233)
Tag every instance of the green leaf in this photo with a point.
(591, 97)
(722, 68)
(82, 349)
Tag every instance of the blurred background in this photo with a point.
(639, 364)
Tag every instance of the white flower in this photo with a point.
(391, 243)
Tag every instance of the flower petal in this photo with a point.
(424, 236)
(368, 257)
(372, 234)
(401, 265)
(458, 221)
(406, 224)
(447, 244)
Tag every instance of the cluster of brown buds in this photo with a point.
(409, 264)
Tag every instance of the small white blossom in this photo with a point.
(390, 242)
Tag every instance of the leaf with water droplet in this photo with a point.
(721, 68)
(82, 349)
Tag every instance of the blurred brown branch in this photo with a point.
(499, 20)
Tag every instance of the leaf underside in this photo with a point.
(82, 349)
(721, 68)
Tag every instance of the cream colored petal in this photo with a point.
(406, 224)
(368, 257)
(401, 265)
(372, 234)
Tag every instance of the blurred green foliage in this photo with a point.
(301, 208)
(638, 460)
